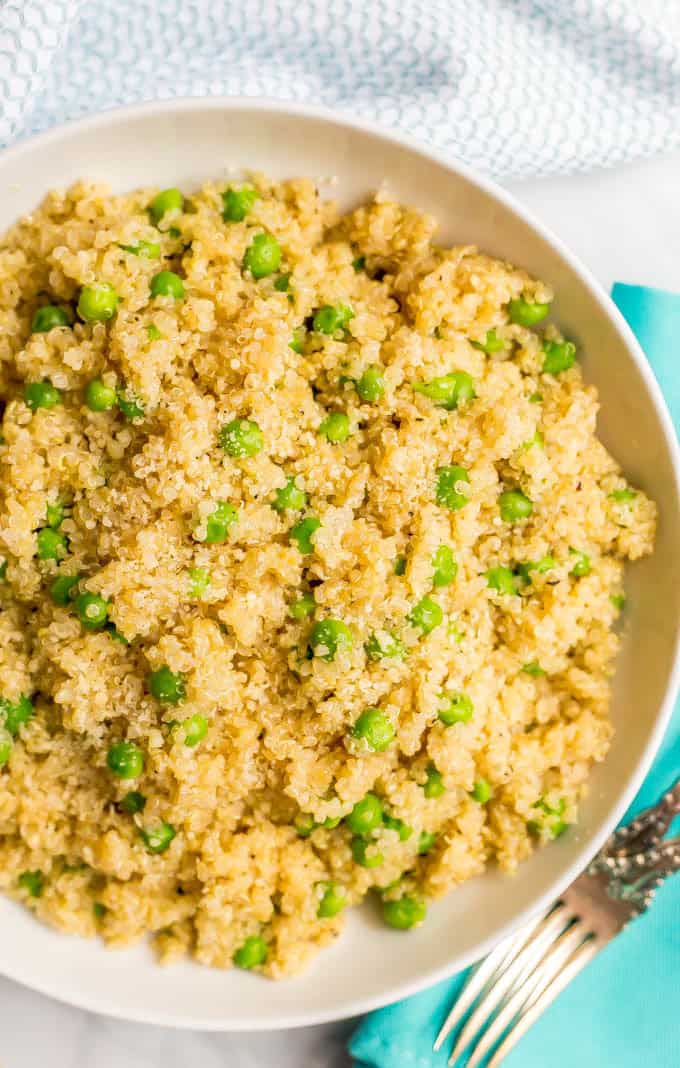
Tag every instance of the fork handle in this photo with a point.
(648, 827)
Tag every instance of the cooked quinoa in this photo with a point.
(310, 562)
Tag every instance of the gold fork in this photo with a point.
(525, 972)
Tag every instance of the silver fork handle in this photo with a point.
(648, 827)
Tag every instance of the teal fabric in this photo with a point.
(624, 1009)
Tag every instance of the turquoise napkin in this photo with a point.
(623, 1010)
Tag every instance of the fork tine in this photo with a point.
(535, 948)
(471, 988)
(580, 958)
(480, 975)
(529, 990)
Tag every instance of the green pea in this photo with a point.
(303, 608)
(148, 250)
(582, 565)
(14, 714)
(537, 440)
(167, 686)
(92, 610)
(621, 495)
(335, 427)
(514, 506)
(448, 391)
(359, 263)
(305, 824)
(47, 317)
(366, 815)
(55, 514)
(400, 566)
(332, 900)
(558, 356)
(133, 802)
(445, 567)
(62, 590)
(33, 882)
(434, 786)
(219, 522)
(402, 829)
(241, 437)
(41, 395)
(153, 333)
(332, 317)
(126, 760)
(491, 344)
(525, 313)
(289, 497)
(374, 728)
(252, 953)
(167, 284)
(263, 256)
(6, 745)
(448, 495)
(549, 820)
(481, 792)
(534, 669)
(455, 707)
(100, 397)
(404, 913)
(302, 532)
(501, 579)
(328, 636)
(238, 202)
(115, 634)
(131, 407)
(385, 646)
(297, 342)
(360, 848)
(426, 841)
(195, 729)
(619, 601)
(546, 563)
(371, 385)
(426, 615)
(97, 302)
(157, 838)
(51, 544)
(199, 580)
(165, 201)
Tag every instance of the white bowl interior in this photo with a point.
(184, 145)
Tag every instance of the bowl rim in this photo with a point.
(258, 105)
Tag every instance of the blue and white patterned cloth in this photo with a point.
(513, 87)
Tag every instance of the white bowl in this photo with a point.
(183, 143)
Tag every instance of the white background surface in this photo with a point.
(625, 226)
